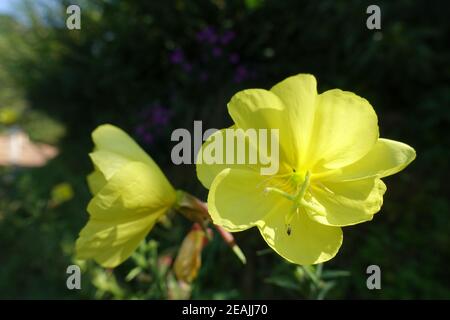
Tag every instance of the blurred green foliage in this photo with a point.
(127, 56)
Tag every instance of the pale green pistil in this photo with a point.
(301, 183)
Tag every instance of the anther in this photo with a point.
(288, 229)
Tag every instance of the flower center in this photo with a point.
(299, 182)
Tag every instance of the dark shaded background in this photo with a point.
(153, 66)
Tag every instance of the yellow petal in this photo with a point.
(115, 149)
(96, 181)
(110, 138)
(207, 171)
(386, 158)
(262, 109)
(110, 242)
(107, 162)
(133, 190)
(308, 242)
(345, 129)
(298, 94)
(345, 203)
(122, 213)
(237, 201)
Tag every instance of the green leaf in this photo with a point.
(133, 274)
(327, 286)
(331, 274)
(309, 270)
(283, 282)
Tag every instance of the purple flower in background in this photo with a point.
(234, 58)
(148, 138)
(177, 56)
(140, 130)
(227, 37)
(241, 73)
(160, 116)
(208, 35)
(153, 119)
(201, 36)
(217, 52)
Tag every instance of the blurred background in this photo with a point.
(153, 66)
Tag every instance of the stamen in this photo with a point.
(280, 192)
(288, 219)
(269, 179)
(324, 187)
(325, 174)
(288, 230)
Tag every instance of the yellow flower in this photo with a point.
(61, 193)
(130, 195)
(9, 115)
(331, 162)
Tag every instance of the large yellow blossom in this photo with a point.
(130, 195)
(331, 162)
